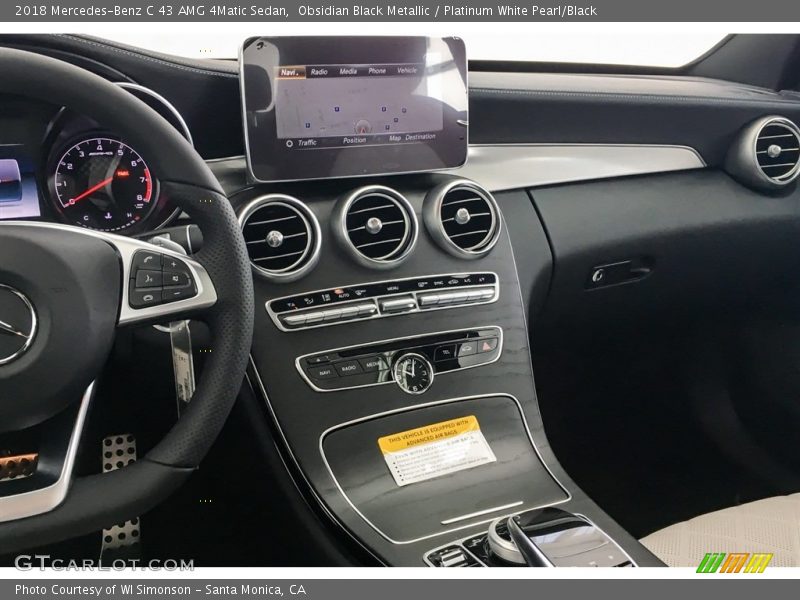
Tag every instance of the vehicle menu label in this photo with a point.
(435, 450)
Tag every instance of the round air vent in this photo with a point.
(463, 218)
(377, 225)
(766, 154)
(282, 235)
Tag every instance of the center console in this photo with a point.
(402, 392)
(391, 340)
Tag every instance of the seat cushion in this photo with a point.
(769, 525)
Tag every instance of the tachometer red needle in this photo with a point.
(93, 189)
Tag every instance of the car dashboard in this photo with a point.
(393, 307)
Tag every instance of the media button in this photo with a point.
(373, 363)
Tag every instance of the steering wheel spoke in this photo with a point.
(47, 486)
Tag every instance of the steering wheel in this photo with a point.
(64, 291)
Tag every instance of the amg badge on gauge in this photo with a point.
(413, 373)
(103, 184)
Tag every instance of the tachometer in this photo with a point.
(102, 183)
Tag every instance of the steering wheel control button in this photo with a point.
(148, 279)
(176, 279)
(175, 294)
(17, 324)
(348, 367)
(144, 298)
(159, 279)
(144, 259)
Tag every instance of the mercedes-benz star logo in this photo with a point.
(17, 324)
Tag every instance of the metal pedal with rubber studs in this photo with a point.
(119, 451)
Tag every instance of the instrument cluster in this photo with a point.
(75, 171)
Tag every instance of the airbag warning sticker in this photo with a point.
(435, 450)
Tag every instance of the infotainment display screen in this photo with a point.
(327, 107)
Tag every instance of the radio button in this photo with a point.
(346, 368)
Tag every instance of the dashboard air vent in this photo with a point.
(778, 150)
(282, 235)
(766, 154)
(377, 225)
(463, 218)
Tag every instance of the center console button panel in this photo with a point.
(382, 299)
(361, 366)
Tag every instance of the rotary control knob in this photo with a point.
(413, 373)
(500, 543)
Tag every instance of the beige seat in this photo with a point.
(770, 525)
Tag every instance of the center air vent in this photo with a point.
(766, 154)
(377, 225)
(282, 235)
(463, 218)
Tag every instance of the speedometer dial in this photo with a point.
(103, 184)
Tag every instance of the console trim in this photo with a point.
(275, 317)
(299, 359)
(425, 405)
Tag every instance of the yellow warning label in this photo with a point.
(430, 433)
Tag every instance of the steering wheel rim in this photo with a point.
(98, 500)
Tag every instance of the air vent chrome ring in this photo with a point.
(273, 234)
(474, 226)
(766, 154)
(376, 225)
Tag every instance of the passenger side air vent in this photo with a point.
(766, 154)
(463, 218)
(377, 225)
(282, 235)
